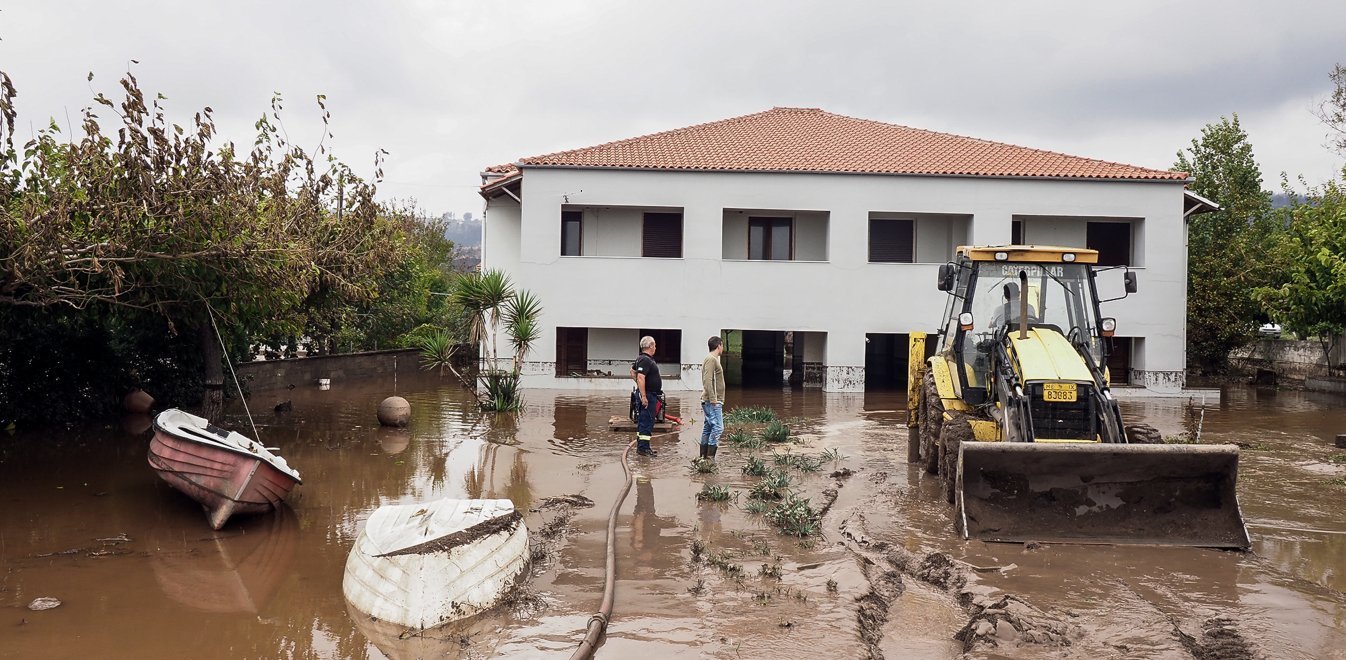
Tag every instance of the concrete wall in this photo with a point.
(266, 375)
(1073, 232)
(1295, 360)
(844, 297)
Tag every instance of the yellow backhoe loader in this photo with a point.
(1015, 413)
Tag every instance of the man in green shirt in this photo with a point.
(712, 398)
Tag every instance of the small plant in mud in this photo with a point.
(795, 516)
(725, 562)
(1339, 481)
(704, 466)
(698, 587)
(714, 493)
(756, 507)
(1179, 439)
(1339, 458)
(771, 487)
(755, 467)
(761, 547)
(831, 586)
(801, 462)
(742, 439)
(762, 598)
(832, 455)
(807, 544)
(698, 551)
(770, 571)
(776, 431)
(749, 415)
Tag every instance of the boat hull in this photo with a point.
(226, 483)
(414, 572)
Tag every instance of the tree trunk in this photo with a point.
(212, 402)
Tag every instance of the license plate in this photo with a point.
(1063, 392)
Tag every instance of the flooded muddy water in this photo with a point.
(140, 574)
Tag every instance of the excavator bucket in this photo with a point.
(1100, 493)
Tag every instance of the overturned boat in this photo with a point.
(226, 472)
(425, 565)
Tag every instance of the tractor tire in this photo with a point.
(932, 418)
(952, 434)
(1143, 434)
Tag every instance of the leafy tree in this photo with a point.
(1228, 250)
(1311, 302)
(161, 223)
(1333, 110)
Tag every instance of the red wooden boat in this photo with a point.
(225, 472)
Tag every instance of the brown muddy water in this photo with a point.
(140, 574)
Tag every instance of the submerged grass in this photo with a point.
(756, 507)
(715, 493)
(749, 415)
(742, 439)
(755, 467)
(703, 466)
(776, 431)
(771, 487)
(795, 516)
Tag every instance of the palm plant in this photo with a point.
(522, 310)
(489, 298)
(483, 294)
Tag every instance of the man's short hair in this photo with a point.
(646, 342)
(714, 342)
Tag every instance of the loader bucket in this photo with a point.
(1100, 493)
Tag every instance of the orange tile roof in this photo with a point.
(811, 140)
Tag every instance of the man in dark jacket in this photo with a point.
(649, 386)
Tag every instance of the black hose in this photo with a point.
(598, 623)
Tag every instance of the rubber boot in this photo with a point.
(711, 449)
(705, 451)
(644, 449)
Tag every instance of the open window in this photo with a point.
(1112, 240)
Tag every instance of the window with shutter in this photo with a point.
(667, 345)
(662, 235)
(892, 241)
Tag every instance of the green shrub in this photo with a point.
(704, 466)
(771, 487)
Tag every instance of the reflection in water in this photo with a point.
(237, 570)
(647, 527)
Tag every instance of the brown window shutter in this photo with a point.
(892, 241)
(662, 235)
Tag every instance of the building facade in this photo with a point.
(811, 242)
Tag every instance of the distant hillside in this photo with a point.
(463, 231)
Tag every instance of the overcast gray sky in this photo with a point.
(450, 87)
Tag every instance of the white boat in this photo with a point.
(425, 565)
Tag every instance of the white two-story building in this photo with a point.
(811, 242)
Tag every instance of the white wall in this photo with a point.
(1073, 232)
(844, 297)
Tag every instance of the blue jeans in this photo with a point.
(649, 413)
(714, 424)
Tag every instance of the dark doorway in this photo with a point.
(886, 358)
(1119, 361)
(763, 358)
(572, 352)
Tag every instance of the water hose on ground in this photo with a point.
(599, 621)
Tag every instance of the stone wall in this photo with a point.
(1294, 360)
(265, 375)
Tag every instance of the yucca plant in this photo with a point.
(437, 350)
(755, 467)
(749, 415)
(795, 516)
(776, 431)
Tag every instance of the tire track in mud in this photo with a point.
(995, 619)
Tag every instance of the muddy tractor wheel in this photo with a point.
(1143, 434)
(932, 418)
(951, 435)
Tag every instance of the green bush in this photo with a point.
(749, 415)
(795, 516)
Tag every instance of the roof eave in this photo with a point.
(1024, 177)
